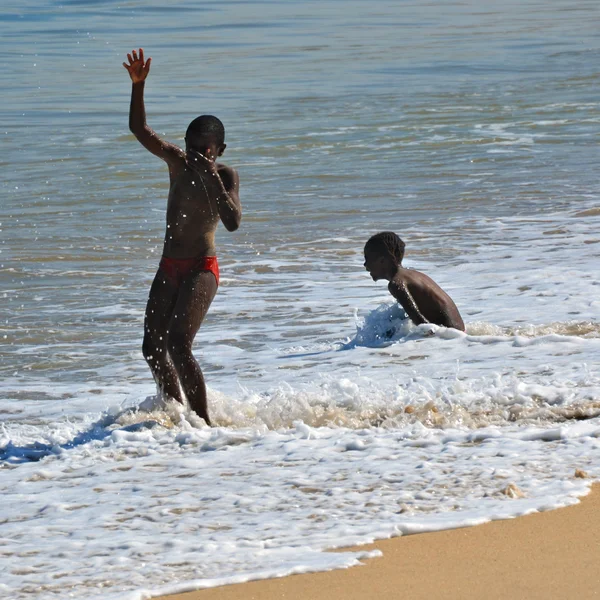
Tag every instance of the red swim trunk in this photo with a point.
(178, 268)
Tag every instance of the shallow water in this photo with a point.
(470, 129)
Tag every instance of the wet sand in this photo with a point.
(549, 555)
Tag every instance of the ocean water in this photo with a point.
(471, 129)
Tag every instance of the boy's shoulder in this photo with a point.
(176, 157)
(222, 167)
(228, 175)
(407, 277)
(397, 285)
(402, 276)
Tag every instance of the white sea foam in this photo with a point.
(116, 488)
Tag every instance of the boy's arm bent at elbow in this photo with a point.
(144, 134)
(228, 201)
(401, 293)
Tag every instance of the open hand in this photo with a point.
(138, 69)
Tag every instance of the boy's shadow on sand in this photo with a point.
(95, 432)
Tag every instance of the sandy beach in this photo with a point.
(553, 554)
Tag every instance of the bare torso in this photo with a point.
(192, 212)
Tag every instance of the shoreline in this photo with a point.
(551, 554)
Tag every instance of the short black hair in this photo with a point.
(209, 126)
(387, 243)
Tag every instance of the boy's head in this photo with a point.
(383, 255)
(206, 135)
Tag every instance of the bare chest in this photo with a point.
(191, 201)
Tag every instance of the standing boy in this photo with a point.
(423, 300)
(202, 192)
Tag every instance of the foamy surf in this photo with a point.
(116, 496)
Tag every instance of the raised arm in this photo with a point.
(138, 71)
(401, 293)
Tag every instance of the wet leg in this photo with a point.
(195, 296)
(159, 311)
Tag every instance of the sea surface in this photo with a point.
(469, 128)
